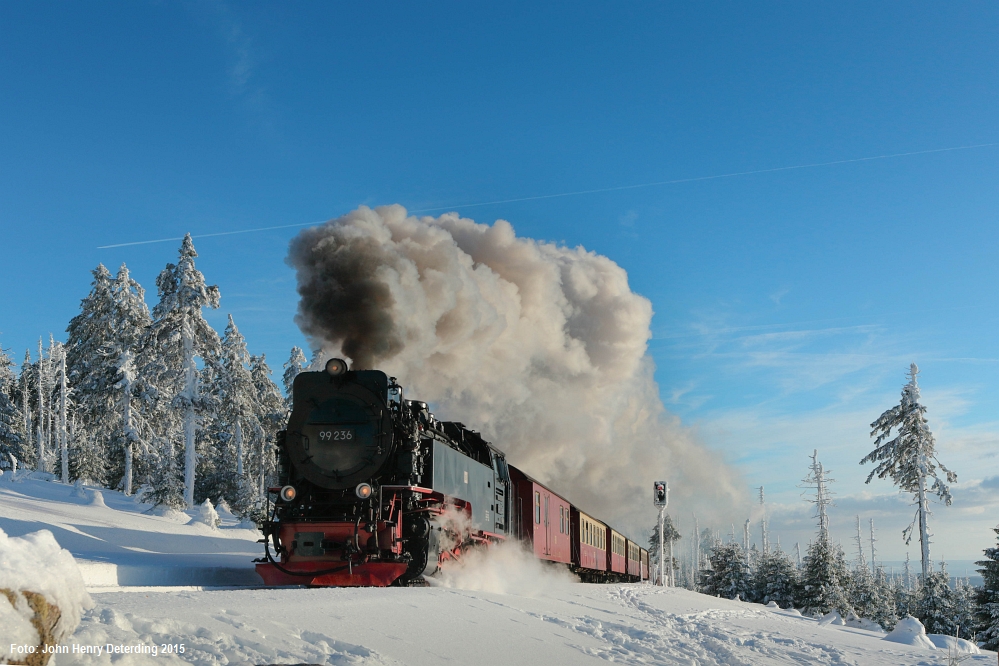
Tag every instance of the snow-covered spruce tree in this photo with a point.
(91, 376)
(132, 318)
(111, 322)
(177, 336)
(935, 607)
(130, 389)
(272, 415)
(670, 536)
(863, 593)
(13, 438)
(295, 364)
(775, 579)
(988, 599)
(910, 459)
(824, 578)
(23, 396)
(965, 608)
(904, 596)
(234, 424)
(64, 405)
(883, 600)
(728, 576)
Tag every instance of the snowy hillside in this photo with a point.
(117, 540)
(503, 609)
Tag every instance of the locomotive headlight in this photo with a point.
(336, 367)
(363, 490)
(288, 493)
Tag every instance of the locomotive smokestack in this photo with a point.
(542, 347)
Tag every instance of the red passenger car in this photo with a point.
(634, 561)
(589, 547)
(616, 550)
(544, 518)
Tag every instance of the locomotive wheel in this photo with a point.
(415, 526)
(424, 554)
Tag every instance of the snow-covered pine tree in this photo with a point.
(988, 598)
(24, 396)
(824, 575)
(43, 411)
(235, 424)
(295, 364)
(91, 376)
(177, 336)
(824, 578)
(728, 576)
(775, 579)
(861, 592)
(883, 607)
(670, 536)
(904, 595)
(272, 415)
(131, 317)
(62, 428)
(132, 426)
(13, 439)
(935, 607)
(910, 459)
(111, 322)
(965, 609)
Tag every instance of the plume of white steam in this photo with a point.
(541, 347)
(506, 568)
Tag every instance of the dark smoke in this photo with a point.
(343, 301)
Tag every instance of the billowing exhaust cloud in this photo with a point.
(541, 347)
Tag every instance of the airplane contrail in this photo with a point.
(658, 183)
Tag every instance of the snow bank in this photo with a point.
(225, 513)
(506, 568)
(910, 631)
(91, 496)
(30, 566)
(832, 617)
(863, 623)
(951, 643)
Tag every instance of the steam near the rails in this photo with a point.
(541, 347)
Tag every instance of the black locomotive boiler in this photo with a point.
(375, 491)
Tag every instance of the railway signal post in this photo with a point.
(660, 497)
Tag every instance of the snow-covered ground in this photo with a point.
(117, 540)
(504, 609)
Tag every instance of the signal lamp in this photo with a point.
(336, 367)
(288, 493)
(363, 490)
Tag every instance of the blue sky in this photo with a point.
(788, 304)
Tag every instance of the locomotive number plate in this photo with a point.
(336, 434)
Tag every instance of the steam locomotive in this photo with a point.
(375, 491)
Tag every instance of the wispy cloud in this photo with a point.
(778, 295)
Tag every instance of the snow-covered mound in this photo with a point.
(206, 515)
(910, 631)
(35, 565)
(953, 644)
